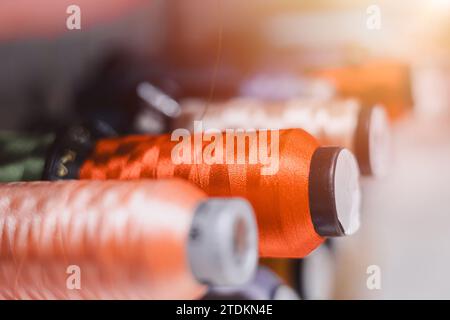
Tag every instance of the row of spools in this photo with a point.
(137, 224)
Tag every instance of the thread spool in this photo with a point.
(265, 285)
(127, 96)
(22, 155)
(344, 122)
(51, 156)
(130, 240)
(281, 86)
(314, 194)
(315, 275)
(383, 81)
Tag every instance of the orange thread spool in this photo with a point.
(379, 81)
(289, 224)
(130, 240)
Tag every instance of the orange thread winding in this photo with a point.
(280, 201)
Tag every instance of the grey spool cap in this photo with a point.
(223, 242)
(334, 192)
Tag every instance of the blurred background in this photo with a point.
(216, 50)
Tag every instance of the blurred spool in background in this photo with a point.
(33, 156)
(22, 155)
(337, 122)
(128, 97)
(315, 276)
(130, 239)
(387, 82)
(282, 86)
(265, 285)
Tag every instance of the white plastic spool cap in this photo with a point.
(334, 192)
(223, 242)
(347, 192)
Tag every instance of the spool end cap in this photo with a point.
(223, 242)
(334, 192)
